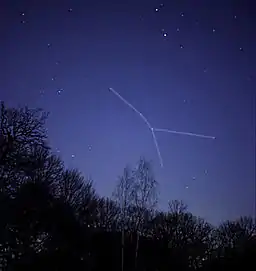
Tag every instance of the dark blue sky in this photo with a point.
(199, 78)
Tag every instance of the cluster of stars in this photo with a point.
(194, 178)
(165, 34)
(182, 14)
(23, 21)
(49, 45)
(72, 155)
(163, 31)
(58, 151)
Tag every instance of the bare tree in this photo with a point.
(123, 196)
(21, 128)
(145, 196)
(233, 234)
(177, 206)
(79, 193)
(136, 194)
(107, 214)
(189, 237)
(21, 132)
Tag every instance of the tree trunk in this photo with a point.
(122, 250)
(137, 249)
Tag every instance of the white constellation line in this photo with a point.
(145, 120)
(183, 133)
(153, 130)
(132, 107)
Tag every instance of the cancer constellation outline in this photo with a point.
(153, 130)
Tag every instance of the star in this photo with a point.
(181, 46)
(59, 91)
(73, 156)
(165, 34)
(156, 9)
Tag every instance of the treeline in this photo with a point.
(53, 219)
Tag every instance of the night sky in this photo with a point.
(185, 65)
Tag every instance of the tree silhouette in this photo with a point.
(234, 242)
(21, 131)
(108, 215)
(53, 219)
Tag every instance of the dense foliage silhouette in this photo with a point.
(53, 219)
